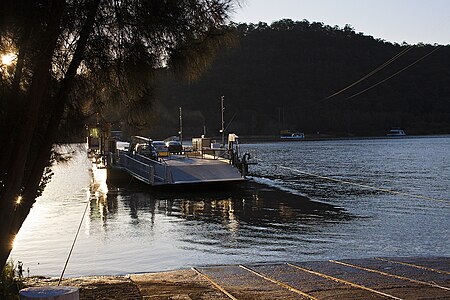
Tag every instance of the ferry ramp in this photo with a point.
(191, 170)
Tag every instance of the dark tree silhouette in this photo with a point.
(288, 68)
(77, 58)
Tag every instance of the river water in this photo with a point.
(282, 214)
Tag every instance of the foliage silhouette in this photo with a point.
(279, 76)
(81, 59)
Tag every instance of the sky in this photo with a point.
(411, 21)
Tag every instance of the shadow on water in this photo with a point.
(246, 220)
(249, 202)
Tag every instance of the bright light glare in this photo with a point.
(18, 199)
(8, 59)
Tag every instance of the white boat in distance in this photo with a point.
(396, 132)
(287, 135)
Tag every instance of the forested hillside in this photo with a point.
(279, 76)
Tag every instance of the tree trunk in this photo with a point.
(16, 171)
(38, 167)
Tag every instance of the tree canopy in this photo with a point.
(279, 76)
(73, 59)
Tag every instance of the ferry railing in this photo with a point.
(136, 167)
(161, 171)
(213, 153)
(148, 170)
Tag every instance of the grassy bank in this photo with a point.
(11, 281)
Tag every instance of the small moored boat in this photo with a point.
(288, 135)
(396, 132)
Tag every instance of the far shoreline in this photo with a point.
(310, 138)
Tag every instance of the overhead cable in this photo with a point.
(365, 186)
(379, 68)
(73, 244)
(396, 73)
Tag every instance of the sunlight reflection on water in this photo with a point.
(134, 229)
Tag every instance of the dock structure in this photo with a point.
(376, 278)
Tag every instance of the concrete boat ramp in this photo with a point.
(347, 279)
(375, 278)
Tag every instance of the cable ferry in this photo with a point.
(203, 162)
